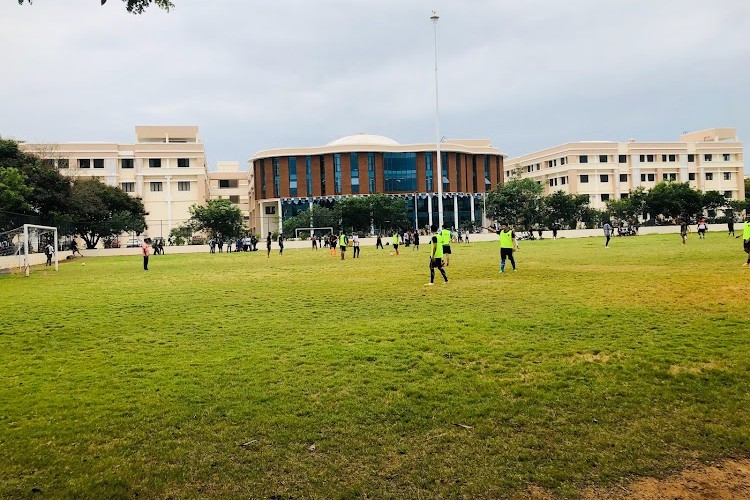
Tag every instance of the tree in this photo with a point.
(356, 214)
(713, 200)
(221, 218)
(316, 216)
(563, 208)
(387, 212)
(674, 200)
(133, 6)
(13, 194)
(518, 202)
(101, 211)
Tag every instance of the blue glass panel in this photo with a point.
(308, 174)
(400, 172)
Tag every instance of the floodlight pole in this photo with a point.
(434, 18)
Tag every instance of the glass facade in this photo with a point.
(337, 173)
(263, 179)
(322, 174)
(371, 171)
(486, 173)
(429, 174)
(354, 162)
(292, 176)
(444, 168)
(400, 172)
(308, 174)
(458, 173)
(474, 174)
(276, 177)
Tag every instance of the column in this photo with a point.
(169, 205)
(278, 212)
(473, 219)
(429, 210)
(455, 211)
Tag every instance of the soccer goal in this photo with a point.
(312, 230)
(28, 245)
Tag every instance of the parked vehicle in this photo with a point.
(133, 243)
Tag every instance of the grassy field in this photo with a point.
(234, 375)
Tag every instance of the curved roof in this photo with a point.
(363, 139)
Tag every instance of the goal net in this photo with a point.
(311, 230)
(27, 246)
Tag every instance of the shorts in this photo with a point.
(506, 252)
(747, 246)
(446, 249)
(395, 247)
(436, 263)
(343, 248)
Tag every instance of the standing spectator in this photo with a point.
(343, 240)
(379, 242)
(395, 242)
(355, 245)
(416, 241)
(466, 236)
(161, 246)
(268, 245)
(702, 228)
(436, 257)
(146, 248)
(607, 233)
(212, 245)
(221, 245)
(314, 242)
(540, 230)
(281, 244)
(730, 225)
(554, 231)
(49, 250)
(683, 230)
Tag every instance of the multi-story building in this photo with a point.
(710, 160)
(229, 182)
(165, 166)
(287, 181)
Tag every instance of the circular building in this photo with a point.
(289, 180)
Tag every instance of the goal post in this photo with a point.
(311, 230)
(29, 230)
(23, 246)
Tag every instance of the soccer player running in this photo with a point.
(436, 257)
(508, 244)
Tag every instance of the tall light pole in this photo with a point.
(434, 18)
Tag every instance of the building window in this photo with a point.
(156, 187)
(728, 195)
(708, 157)
(551, 182)
(727, 176)
(84, 163)
(726, 156)
(308, 174)
(669, 177)
(664, 158)
(486, 172)
(458, 172)
(429, 174)
(605, 196)
(183, 162)
(604, 178)
(128, 187)
(292, 176)
(563, 180)
(651, 177)
(99, 163)
(672, 158)
(337, 173)
(643, 177)
(583, 159)
(271, 210)
(228, 183)
(322, 174)
(126, 163)
(622, 158)
(444, 168)
(691, 176)
(623, 177)
(276, 177)
(624, 196)
(154, 163)
(262, 179)
(183, 185)
(602, 158)
(235, 198)
(63, 163)
(584, 179)
(691, 158)
(709, 176)
(649, 158)
(371, 171)
(354, 164)
(400, 171)
(642, 158)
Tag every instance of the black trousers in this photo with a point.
(145, 262)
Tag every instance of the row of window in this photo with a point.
(606, 196)
(645, 158)
(669, 176)
(124, 163)
(155, 187)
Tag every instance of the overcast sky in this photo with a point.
(255, 75)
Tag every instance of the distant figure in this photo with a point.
(416, 241)
(74, 248)
(436, 256)
(221, 245)
(160, 245)
(683, 230)
(540, 231)
(212, 245)
(343, 240)
(268, 245)
(281, 244)
(49, 250)
(554, 231)
(746, 239)
(446, 235)
(314, 242)
(146, 249)
(466, 236)
(379, 242)
(702, 228)
(395, 242)
(607, 233)
(730, 226)
(355, 245)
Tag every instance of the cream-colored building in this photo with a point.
(165, 166)
(710, 160)
(229, 182)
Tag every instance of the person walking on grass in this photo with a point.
(342, 244)
(379, 242)
(49, 250)
(607, 233)
(355, 245)
(746, 239)
(146, 249)
(415, 240)
(683, 230)
(268, 245)
(702, 228)
(508, 245)
(314, 242)
(281, 244)
(730, 226)
(395, 242)
(436, 257)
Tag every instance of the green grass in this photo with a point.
(214, 375)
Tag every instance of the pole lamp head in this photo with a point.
(434, 18)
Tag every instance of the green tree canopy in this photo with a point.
(674, 200)
(220, 218)
(133, 6)
(316, 216)
(518, 202)
(388, 213)
(563, 208)
(101, 211)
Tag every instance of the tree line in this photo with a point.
(520, 202)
